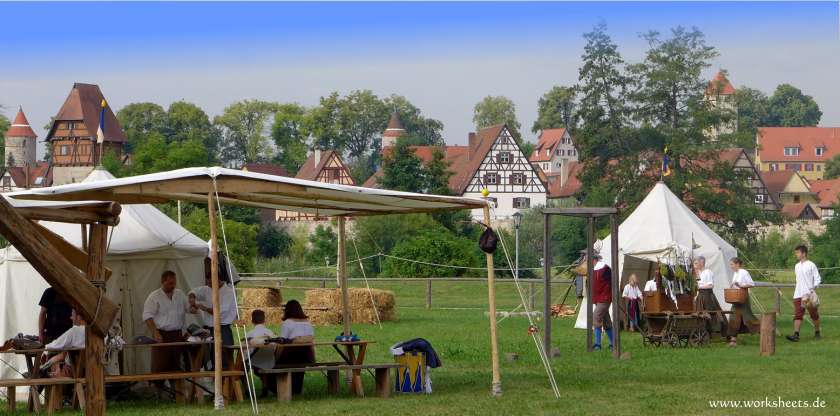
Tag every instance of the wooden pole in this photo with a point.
(590, 263)
(428, 293)
(342, 275)
(768, 334)
(547, 285)
(616, 285)
(778, 293)
(218, 397)
(491, 301)
(532, 295)
(94, 342)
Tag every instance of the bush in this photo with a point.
(825, 251)
(431, 247)
(241, 238)
(773, 250)
(323, 245)
(273, 242)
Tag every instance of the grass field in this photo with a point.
(661, 381)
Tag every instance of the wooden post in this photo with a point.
(94, 342)
(778, 307)
(491, 298)
(323, 283)
(218, 397)
(428, 293)
(616, 285)
(342, 275)
(547, 285)
(768, 334)
(590, 263)
(532, 295)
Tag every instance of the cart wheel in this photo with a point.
(683, 341)
(705, 337)
(645, 341)
(673, 340)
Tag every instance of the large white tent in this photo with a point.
(661, 225)
(144, 244)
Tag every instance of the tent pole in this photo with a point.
(616, 284)
(218, 399)
(95, 343)
(491, 298)
(341, 268)
(547, 283)
(590, 264)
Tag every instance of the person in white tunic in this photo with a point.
(742, 319)
(632, 295)
(706, 301)
(297, 328)
(72, 339)
(805, 296)
(164, 313)
(201, 303)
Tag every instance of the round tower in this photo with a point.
(20, 142)
(394, 130)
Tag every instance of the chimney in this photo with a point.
(317, 154)
(471, 143)
(564, 172)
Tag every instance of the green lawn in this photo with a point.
(654, 381)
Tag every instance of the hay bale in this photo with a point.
(273, 315)
(324, 306)
(261, 297)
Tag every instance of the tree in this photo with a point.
(244, 126)
(241, 238)
(4, 126)
(496, 110)
(555, 109)
(832, 168)
(437, 174)
(789, 107)
(402, 170)
(431, 247)
(752, 107)
(154, 154)
(186, 121)
(825, 248)
(362, 118)
(424, 131)
(322, 123)
(273, 242)
(138, 120)
(323, 246)
(289, 134)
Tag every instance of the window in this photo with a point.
(64, 150)
(548, 152)
(759, 198)
(491, 179)
(791, 151)
(503, 157)
(827, 213)
(774, 167)
(819, 167)
(809, 167)
(521, 203)
(793, 166)
(796, 199)
(71, 125)
(7, 182)
(545, 166)
(517, 179)
(819, 151)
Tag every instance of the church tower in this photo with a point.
(20, 142)
(720, 94)
(394, 130)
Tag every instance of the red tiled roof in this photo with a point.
(266, 168)
(310, 170)
(20, 127)
(720, 85)
(572, 185)
(549, 139)
(84, 103)
(797, 210)
(39, 170)
(776, 181)
(772, 142)
(827, 191)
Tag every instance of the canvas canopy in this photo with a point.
(661, 226)
(144, 244)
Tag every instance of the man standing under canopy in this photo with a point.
(165, 313)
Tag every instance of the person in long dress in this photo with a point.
(706, 300)
(742, 319)
(632, 295)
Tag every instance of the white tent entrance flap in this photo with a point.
(661, 224)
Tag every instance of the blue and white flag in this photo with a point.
(100, 132)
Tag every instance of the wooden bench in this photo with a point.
(178, 379)
(52, 392)
(284, 377)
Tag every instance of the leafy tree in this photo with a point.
(322, 123)
(273, 242)
(774, 250)
(245, 127)
(832, 168)
(437, 174)
(154, 154)
(752, 107)
(556, 109)
(362, 118)
(789, 107)
(824, 249)
(138, 120)
(496, 110)
(323, 245)
(431, 247)
(425, 131)
(188, 122)
(241, 238)
(290, 134)
(402, 170)
(363, 167)
(4, 126)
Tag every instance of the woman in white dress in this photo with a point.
(742, 319)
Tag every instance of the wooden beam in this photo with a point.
(72, 215)
(491, 297)
(56, 270)
(616, 286)
(94, 342)
(218, 399)
(341, 274)
(73, 254)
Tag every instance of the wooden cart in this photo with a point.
(677, 329)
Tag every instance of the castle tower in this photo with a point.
(394, 130)
(20, 142)
(720, 94)
(72, 136)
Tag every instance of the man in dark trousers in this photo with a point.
(601, 298)
(55, 317)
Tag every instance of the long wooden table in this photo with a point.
(353, 354)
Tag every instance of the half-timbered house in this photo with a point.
(72, 135)
(322, 166)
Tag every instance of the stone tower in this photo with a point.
(394, 130)
(721, 95)
(20, 142)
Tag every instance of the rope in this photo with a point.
(370, 292)
(447, 265)
(219, 401)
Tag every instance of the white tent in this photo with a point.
(144, 244)
(660, 225)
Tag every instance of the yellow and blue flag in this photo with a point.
(100, 132)
(666, 170)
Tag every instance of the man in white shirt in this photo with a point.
(165, 313)
(72, 339)
(201, 303)
(807, 281)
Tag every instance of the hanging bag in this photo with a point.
(488, 241)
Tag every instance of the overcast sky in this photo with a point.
(444, 57)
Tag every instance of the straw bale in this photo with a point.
(261, 297)
(273, 315)
(324, 305)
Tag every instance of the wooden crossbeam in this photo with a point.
(77, 257)
(108, 214)
(59, 272)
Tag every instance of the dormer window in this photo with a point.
(791, 151)
(503, 157)
(819, 151)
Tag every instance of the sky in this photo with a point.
(444, 57)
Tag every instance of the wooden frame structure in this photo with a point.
(590, 214)
(215, 186)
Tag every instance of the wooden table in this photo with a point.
(33, 366)
(353, 354)
(195, 351)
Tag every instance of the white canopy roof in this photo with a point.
(254, 190)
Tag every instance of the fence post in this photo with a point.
(323, 284)
(778, 300)
(532, 294)
(428, 293)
